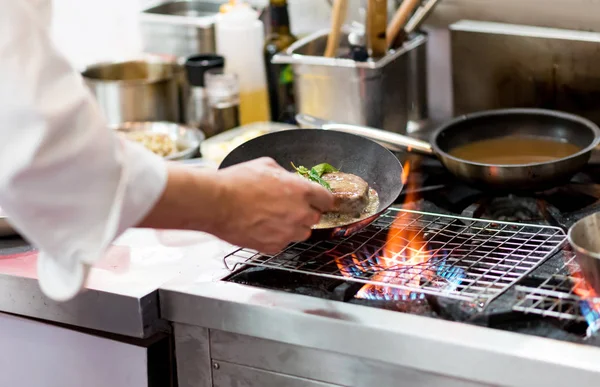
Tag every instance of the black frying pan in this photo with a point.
(347, 152)
(526, 123)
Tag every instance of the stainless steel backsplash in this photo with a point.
(492, 66)
(567, 14)
(501, 65)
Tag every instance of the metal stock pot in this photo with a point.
(146, 89)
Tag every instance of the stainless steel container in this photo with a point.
(138, 90)
(417, 87)
(584, 237)
(180, 28)
(374, 93)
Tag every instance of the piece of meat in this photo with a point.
(351, 193)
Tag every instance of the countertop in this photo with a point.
(122, 290)
(184, 269)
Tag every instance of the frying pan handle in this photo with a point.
(393, 141)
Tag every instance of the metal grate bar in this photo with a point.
(557, 297)
(461, 258)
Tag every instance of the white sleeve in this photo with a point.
(67, 182)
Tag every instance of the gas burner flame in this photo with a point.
(404, 259)
(589, 305)
(405, 173)
(590, 302)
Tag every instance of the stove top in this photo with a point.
(560, 206)
(549, 299)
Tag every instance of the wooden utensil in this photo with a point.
(420, 15)
(339, 12)
(376, 28)
(399, 20)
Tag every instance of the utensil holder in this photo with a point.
(383, 93)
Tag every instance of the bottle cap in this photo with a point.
(224, 8)
(196, 66)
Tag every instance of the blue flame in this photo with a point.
(591, 315)
(453, 274)
(370, 262)
(389, 294)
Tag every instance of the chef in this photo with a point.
(70, 186)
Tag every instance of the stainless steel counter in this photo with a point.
(226, 325)
(256, 334)
(122, 295)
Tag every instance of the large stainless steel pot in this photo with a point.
(147, 89)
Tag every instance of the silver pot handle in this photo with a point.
(392, 141)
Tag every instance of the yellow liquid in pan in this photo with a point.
(514, 150)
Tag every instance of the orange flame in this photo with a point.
(584, 290)
(581, 287)
(405, 173)
(404, 248)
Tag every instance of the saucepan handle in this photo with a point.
(393, 141)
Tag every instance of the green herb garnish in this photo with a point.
(315, 173)
(324, 168)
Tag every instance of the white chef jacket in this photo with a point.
(67, 183)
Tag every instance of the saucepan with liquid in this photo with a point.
(507, 149)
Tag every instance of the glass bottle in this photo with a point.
(280, 78)
(240, 39)
(223, 91)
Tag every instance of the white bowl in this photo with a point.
(186, 139)
(218, 147)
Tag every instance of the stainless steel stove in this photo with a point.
(452, 286)
(424, 262)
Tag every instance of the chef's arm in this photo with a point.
(192, 200)
(67, 183)
(70, 185)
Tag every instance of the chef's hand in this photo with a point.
(257, 204)
(264, 207)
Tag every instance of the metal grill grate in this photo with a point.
(557, 296)
(416, 252)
